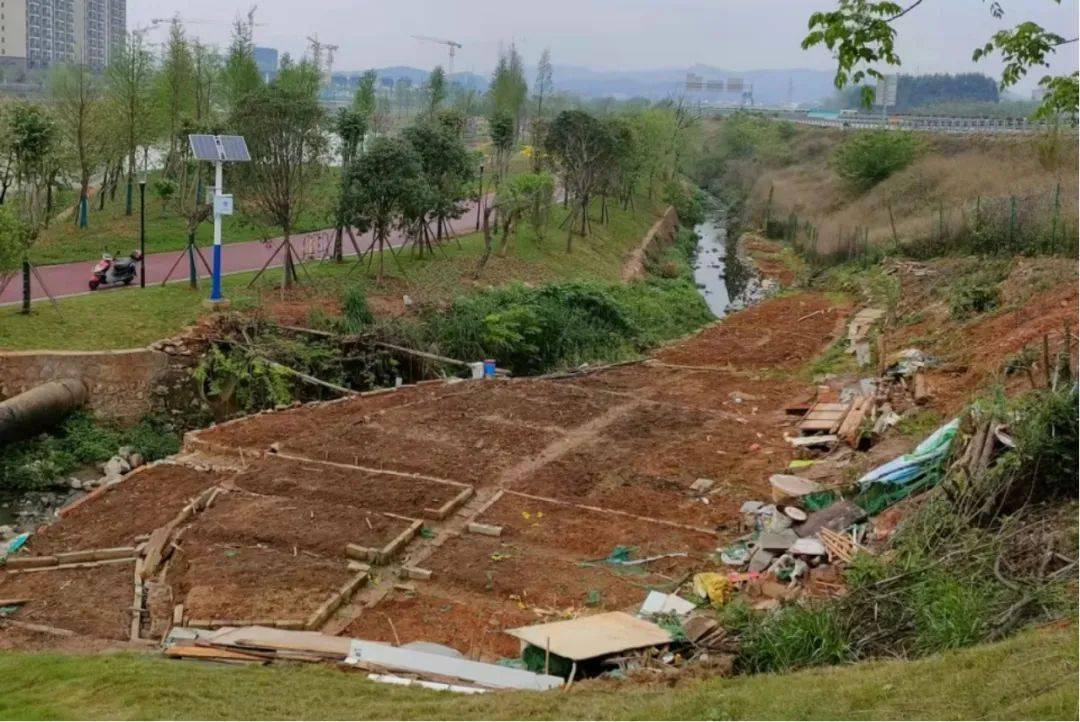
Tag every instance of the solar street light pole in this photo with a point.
(215, 288)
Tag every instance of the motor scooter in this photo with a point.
(111, 271)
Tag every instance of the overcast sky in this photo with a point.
(605, 34)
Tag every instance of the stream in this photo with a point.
(726, 280)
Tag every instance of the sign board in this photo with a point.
(223, 205)
(885, 93)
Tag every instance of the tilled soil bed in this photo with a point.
(141, 503)
(95, 601)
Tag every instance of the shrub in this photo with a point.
(688, 203)
(793, 637)
(867, 158)
(974, 294)
(533, 330)
(355, 312)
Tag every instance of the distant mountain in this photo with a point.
(771, 87)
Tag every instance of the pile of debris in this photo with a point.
(856, 413)
(418, 663)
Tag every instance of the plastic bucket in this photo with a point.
(489, 367)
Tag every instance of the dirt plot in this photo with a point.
(321, 420)
(274, 475)
(220, 580)
(470, 623)
(137, 505)
(646, 462)
(782, 332)
(301, 525)
(533, 576)
(588, 534)
(94, 601)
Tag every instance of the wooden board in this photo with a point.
(819, 424)
(210, 653)
(849, 429)
(593, 636)
(274, 638)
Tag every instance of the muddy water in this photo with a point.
(727, 281)
(709, 263)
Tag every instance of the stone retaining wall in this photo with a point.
(124, 385)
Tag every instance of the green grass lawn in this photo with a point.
(1030, 676)
(126, 319)
(110, 230)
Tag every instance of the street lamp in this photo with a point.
(480, 197)
(219, 149)
(142, 230)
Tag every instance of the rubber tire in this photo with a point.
(94, 284)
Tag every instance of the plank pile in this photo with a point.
(383, 662)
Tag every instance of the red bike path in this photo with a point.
(72, 279)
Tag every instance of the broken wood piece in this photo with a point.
(818, 440)
(212, 654)
(416, 573)
(921, 392)
(850, 429)
(486, 529)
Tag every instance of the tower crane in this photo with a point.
(452, 46)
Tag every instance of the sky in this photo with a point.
(938, 36)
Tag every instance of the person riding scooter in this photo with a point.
(111, 271)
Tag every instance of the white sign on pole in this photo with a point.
(885, 94)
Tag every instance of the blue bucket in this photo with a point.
(489, 367)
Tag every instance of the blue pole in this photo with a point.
(215, 289)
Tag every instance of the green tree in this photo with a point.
(7, 151)
(582, 149)
(447, 167)
(206, 66)
(129, 77)
(351, 127)
(385, 183)
(861, 35)
(282, 121)
(81, 114)
(240, 75)
(508, 90)
(33, 137)
(176, 90)
(436, 90)
(501, 130)
(543, 85)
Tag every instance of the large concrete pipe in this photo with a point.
(40, 408)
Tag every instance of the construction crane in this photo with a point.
(452, 45)
(318, 49)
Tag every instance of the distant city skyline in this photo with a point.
(611, 34)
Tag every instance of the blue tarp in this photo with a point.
(924, 458)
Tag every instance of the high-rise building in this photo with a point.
(266, 59)
(40, 33)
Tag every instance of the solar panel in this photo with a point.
(234, 147)
(204, 147)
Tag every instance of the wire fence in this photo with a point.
(1032, 225)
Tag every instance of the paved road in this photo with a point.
(71, 279)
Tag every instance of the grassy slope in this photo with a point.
(110, 230)
(125, 319)
(1030, 676)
